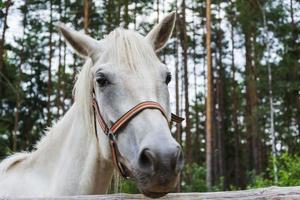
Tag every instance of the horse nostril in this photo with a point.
(177, 162)
(147, 160)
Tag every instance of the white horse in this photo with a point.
(74, 157)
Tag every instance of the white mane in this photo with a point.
(12, 160)
(83, 94)
(51, 139)
(83, 98)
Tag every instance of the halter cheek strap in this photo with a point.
(112, 131)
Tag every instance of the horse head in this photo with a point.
(126, 71)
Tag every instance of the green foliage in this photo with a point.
(128, 186)
(258, 181)
(197, 176)
(289, 170)
(288, 173)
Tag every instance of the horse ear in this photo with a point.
(82, 44)
(161, 33)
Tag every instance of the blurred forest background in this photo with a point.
(255, 85)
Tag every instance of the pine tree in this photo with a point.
(209, 103)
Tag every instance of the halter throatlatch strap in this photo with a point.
(112, 131)
(176, 118)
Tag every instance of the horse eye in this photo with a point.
(168, 78)
(102, 80)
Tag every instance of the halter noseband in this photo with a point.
(112, 131)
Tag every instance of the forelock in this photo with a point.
(127, 48)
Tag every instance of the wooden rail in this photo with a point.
(273, 193)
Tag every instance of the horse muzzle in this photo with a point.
(158, 169)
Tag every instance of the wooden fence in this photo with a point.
(274, 193)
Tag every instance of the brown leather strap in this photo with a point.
(99, 117)
(130, 114)
(134, 111)
(176, 118)
(112, 131)
(114, 153)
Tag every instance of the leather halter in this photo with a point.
(112, 131)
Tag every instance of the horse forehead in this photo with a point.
(143, 79)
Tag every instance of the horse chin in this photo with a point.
(154, 189)
(153, 195)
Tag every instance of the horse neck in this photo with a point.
(72, 155)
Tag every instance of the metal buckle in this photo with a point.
(111, 136)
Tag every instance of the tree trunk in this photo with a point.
(177, 95)
(178, 127)
(126, 14)
(134, 13)
(110, 5)
(64, 89)
(184, 43)
(157, 11)
(209, 102)
(215, 133)
(196, 144)
(2, 41)
(251, 105)
(221, 90)
(49, 85)
(238, 176)
(118, 13)
(235, 114)
(272, 130)
(64, 82)
(257, 140)
(16, 122)
(86, 13)
(18, 85)
(292, 13)
(59, 71)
